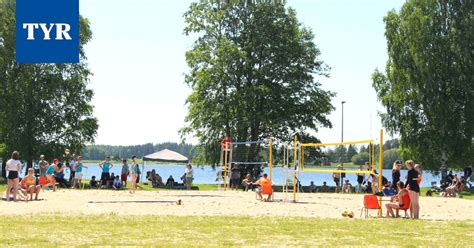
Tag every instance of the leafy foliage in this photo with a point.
(44, 108)
(428, 89)
(252, 72)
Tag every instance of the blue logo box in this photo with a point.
(47, 31)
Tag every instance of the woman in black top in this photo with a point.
(397, 165)
(413, 189)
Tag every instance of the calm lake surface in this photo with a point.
(207, 175)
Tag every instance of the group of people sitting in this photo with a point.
(452, 185)
(187, 179)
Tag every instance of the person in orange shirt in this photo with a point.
(420, 177)
(264, 187)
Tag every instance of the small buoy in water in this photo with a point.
(178, 202)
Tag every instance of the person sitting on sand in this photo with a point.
(264, 187)
(93, 184)
(312, 187)
(347, 187)
(155, 179)
(170, 182)
(248, 183)
(117, 185)
(402, 198)
(324, 188)
(109, 183)
(28, 183)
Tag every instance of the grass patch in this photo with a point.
(47, 230)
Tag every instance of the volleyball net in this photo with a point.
(340, 157)
(247, 156)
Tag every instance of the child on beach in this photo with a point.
(125, 172)
(93, 184)
(117, 183)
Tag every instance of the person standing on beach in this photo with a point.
(133, 175)
(72, 169)
(43, 166)
(188, 172)
(360, 179)
(125, 172)
(12, 168)
(413, 189)
(78, 166)
(336, 177)
(235, 177)
(105, 166)
(397, 165)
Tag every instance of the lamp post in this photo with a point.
(342, 140)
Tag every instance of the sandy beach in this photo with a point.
(217, 203)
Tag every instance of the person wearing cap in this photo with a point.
(397, 165)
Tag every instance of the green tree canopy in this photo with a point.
(252, 74)
(44, 108)
(428, 88)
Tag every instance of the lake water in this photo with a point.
(207, 175)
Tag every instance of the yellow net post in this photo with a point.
(294, 169)
(380, 169)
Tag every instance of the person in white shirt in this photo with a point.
(189, 176)
(12, 168)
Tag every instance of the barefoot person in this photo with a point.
(133, 175)
(413, 189)
(189, 176)
(29, 185)
(105, 166)
(12, 169)
(124, 173)
(78, 166)
(397, 166)
(401, 198)
(264, 187)
(52, 169)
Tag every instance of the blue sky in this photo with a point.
(137, 57)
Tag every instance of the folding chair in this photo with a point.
(406, 203)
(370, 202)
